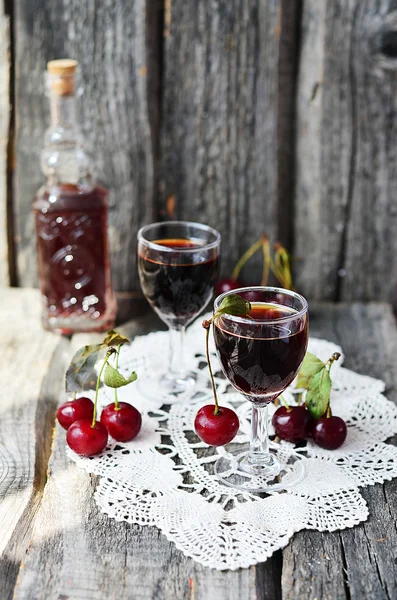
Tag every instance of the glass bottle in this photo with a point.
(71, 221)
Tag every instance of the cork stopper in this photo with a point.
(61, 76)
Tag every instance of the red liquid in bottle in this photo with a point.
(73, 259)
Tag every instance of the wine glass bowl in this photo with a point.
(260, 354)
(178, 266)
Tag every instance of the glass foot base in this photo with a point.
(173, 388)
(70, 325)
(238, 471)
(177, 384)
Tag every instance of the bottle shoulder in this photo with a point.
(70, 198)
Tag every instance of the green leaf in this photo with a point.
(319, 393)
(234, 305)
(310, 366)
(114, 338)
(114, 379)
(80, 374)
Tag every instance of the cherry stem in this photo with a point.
(329, 363)
(266, 260)
(281, 267)
(246, 256)
(116, 397)
(74, 395)
(284, 402)
(207, 353)
(97, 387)
(207, 326)
(299, 396)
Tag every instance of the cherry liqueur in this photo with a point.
(71, 220)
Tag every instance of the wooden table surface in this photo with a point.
(54, 542)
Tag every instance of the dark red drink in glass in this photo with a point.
(261, 353)
(256, 363)
(178, 264)
(178, 289)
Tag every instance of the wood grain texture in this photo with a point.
(27, 410)
(83, 554)
(116, 45)
(4, 138)
(357, 563)
(346, 202)
(288, 64)
(219, 133)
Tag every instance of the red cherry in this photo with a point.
(123, 423)
(85, 439)
(329, 432)
(81, 408)
(292, 424)
(216, 430)
(226, 285)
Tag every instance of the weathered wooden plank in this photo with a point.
(84, 554)
(346, 211)
(27, 407)
(371, 550)
(356, 563)
(4, 138)
(288, 64)
(116, 45)
(313, 568)
(219, 133)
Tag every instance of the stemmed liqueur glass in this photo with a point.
(178, 264)
(260, 355)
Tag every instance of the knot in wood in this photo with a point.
(383, 42)
(388, 44)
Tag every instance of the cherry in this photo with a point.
(292, 423)
(123, 423)
(226, 285)
(216, 430)
(86, 439)
(81, 408)
(329, 432)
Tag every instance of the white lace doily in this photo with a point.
(165, 476)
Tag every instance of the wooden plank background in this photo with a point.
(218, 140)
(267, 115)
(346, 192)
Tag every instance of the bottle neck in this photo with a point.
(63, 111)
(63, 159)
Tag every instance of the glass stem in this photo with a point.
(177, 337)
(259, 454)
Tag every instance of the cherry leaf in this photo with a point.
(114, 379)
(319, 393)
(310, 366)
(235, 305)
(80, 374)
(114, 338)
